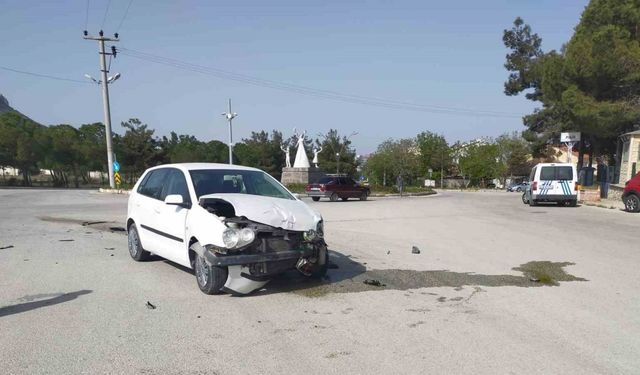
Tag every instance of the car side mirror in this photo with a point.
(176, 200)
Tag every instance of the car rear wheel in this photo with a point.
(344, 198)
(573, 203)
(210, 278)
(524, 198)
(363, 196)
(137, 252)
(519, 189)
(632, 203)
(334, 197)
(315, 199)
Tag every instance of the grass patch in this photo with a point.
(547, 273)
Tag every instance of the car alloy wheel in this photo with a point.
(632, 203)
(202, 271)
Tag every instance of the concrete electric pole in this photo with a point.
(105, 95)
(230, 116)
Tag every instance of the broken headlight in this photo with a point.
(310, 235)
(234, 238)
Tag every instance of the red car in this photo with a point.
(631, 194)
(334, 187)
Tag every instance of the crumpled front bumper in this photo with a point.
(242, 259)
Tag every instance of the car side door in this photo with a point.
(146, 206)
(353, 188)
(171, 219)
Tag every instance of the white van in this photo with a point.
(552, 182)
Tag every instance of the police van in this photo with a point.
(552, 182)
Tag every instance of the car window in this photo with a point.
(221, 181)
(533, 174)
(564, 173)
(341, 181)
(325, 180)
(152, 186)
(176, 184)
(547, 173)
(556, 173)
(349, 181)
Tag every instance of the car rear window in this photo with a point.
(325, 180)
(556, 173)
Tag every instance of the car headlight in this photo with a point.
(230, 237)
(234, 238)
(247, 235)
(310, 235)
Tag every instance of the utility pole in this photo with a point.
(230, 116)
(105, 95)
(337, 163)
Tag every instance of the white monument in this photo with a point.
(301, 172)
(302, 161)
(316, 151)
(287, 155)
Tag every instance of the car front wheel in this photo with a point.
(137, 252)
(632, 203)
(524, 198)
(363, 196)
(334, 197)
(210, 278)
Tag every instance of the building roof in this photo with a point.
(637, 132)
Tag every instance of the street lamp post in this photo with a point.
(230, 116)
(337, 163)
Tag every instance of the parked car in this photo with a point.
(552, 182)
(631, 194)
(518, 187)
(337, 187)
(235, 226)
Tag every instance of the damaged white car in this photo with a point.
(235, 226)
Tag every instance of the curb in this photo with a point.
(114, 191)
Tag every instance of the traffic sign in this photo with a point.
(116, 166)
(116, 177)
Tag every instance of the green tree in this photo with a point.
(336, 149)
(138, 149)
(592, 85)
(262, 151)
(514, 155)
(481, 162)
(435, 154)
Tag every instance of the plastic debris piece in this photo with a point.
(374, 282)
(151, 306)
(415, 250)
(66, 240)
(6, 247)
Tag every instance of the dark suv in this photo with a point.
(334, 187)
(631, 194)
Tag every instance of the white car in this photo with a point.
(552, 182)
(235, 226)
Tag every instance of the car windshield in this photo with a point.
(224, 181)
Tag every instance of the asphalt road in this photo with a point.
(498, 287)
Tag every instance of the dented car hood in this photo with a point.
(277, 212)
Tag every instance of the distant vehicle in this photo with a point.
(337, 187)
(631, 194)
(518, 187)
(552, 182)
(235, 226)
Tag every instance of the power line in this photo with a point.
(43, 75)
(308, 91)
(125, 16)
(106, 11)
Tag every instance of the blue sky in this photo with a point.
(424, 52)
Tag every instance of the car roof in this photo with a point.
(554, 165)
(200, 166)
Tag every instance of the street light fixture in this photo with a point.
(230, 116)
(337, 163)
